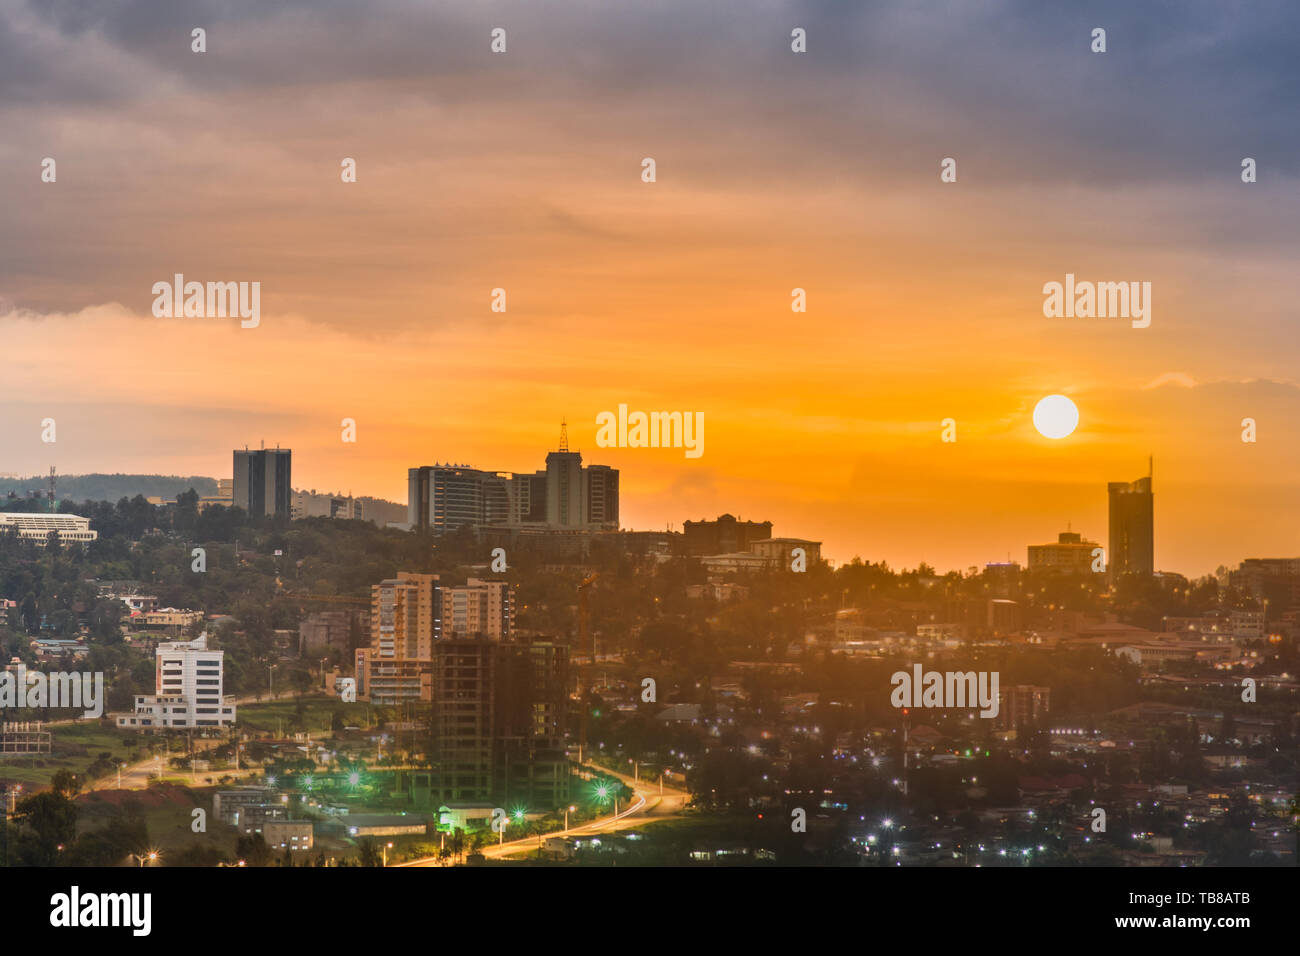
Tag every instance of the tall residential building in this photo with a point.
(500, 711)
(405, 620)
(1071, 554)
(479, 609)
(410, 615)
(262, 482)
(188, 678)
(1132, 528)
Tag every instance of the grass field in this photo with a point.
(280, 717)
(74, 747)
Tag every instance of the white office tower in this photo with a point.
(188, 690)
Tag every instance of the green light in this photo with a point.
(519, 814)
(354, 779)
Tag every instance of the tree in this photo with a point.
(65, 783)
(252, 849)
(50, 821)
(368, 853)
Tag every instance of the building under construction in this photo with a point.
(24, 737)
(499, 719)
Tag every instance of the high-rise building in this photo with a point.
(478, 609)
(601, 493)
(262, 482)
(499, 720)
(566, 500)
(527, 498)
(564, 496)
(443, 498)
(188, 690)
(410, 615)
(405, 620)
(1132, 528)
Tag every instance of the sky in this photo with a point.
(775, 170)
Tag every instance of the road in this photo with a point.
(648, 806)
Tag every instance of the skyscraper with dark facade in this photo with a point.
(262, 482)
(1132, 528)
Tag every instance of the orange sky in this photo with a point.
(924, 299)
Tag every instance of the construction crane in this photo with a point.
(586, 646)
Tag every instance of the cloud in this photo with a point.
(1171, 378)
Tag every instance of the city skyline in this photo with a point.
(1144, 564)
(674, 294)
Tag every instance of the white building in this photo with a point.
(37, 527)
(188, 692)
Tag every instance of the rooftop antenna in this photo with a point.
(564, 435)
(1151, 466)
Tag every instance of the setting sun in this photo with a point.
(1056, 416)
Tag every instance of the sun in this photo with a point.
(1056, 416)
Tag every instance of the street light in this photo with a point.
(386, 848)
(566, 817)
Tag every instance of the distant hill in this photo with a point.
(110, 487)
(380, 511)
(78, 488)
